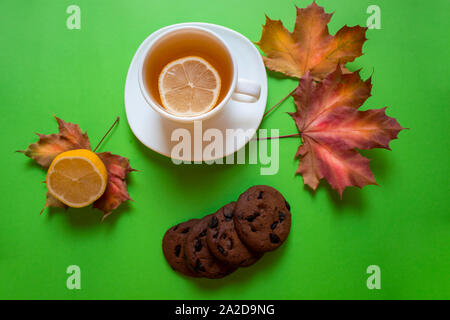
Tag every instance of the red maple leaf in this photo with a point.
(116, 191)
(332, 128)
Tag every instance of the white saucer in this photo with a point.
(155, 131)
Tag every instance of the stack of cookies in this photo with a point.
(237, 235)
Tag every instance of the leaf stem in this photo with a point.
(279, 102)
(280, 137)
(109, 130)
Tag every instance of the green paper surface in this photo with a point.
(402, 225)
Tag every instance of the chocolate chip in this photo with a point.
(230, 246)
(252, 228)
(287, 205)
(260, 195)
(203, 233)
(221, 250)
(199, 266)
(252, 217)
(274, 238)
(281, 216)
(198, 245)
(176, 227)
(274, 225)
(215, 235)
(228, 214)
(213, 223)
(185, 230)
(177, 250)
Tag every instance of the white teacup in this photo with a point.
(190, 40)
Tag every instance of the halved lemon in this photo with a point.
(77, 178)
(189, 86)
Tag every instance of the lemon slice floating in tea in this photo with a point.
(77, 178)
(189, 86)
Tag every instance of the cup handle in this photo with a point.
(246, 91)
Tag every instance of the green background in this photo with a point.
(403, 225)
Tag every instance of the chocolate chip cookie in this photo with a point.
(198, 256)
(173, 246)
(262, 218)
(223, 241)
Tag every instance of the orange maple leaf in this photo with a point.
(70, 137)
(310, 47)
(332, 127)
